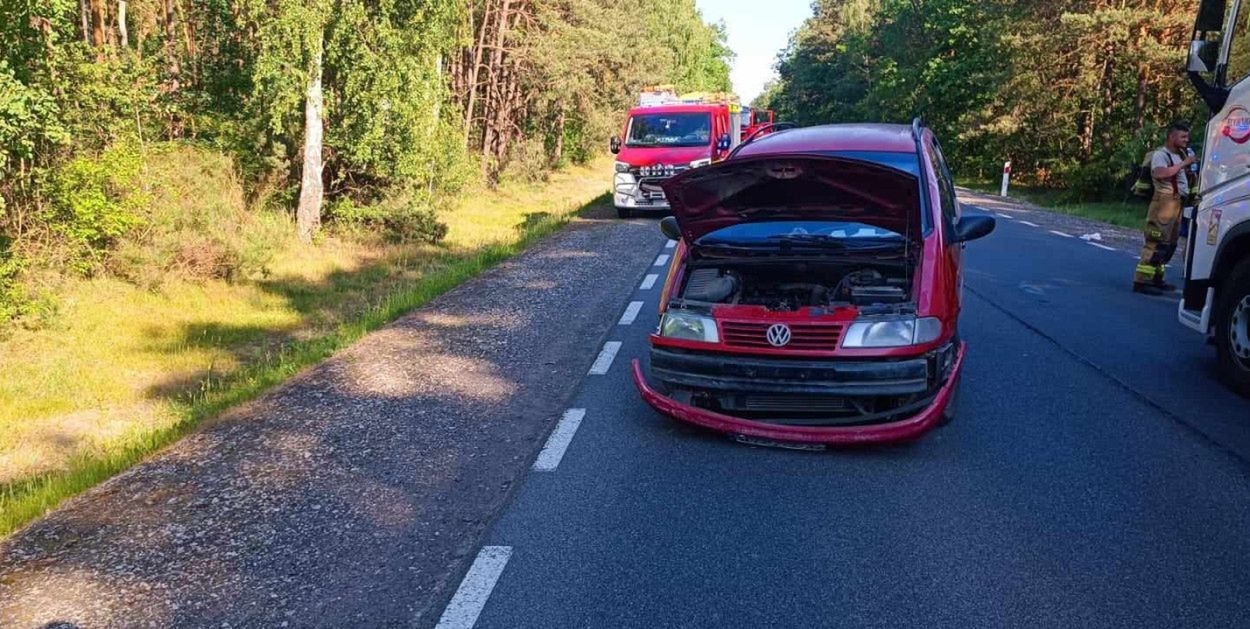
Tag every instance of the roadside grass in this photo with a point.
(1129, 214)
(123, 371)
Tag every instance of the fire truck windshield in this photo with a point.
(671, 129)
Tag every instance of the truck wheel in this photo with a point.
(1232, 329)
(624, 212)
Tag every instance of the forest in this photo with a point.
(359, 118)
(1073, 92)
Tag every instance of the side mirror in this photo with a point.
(723, 143)
(668, 227)
(974, 226)
(1202, 56)
(614, 145)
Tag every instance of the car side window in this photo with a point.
(1239, 48)
(946, 191)
(949, 184)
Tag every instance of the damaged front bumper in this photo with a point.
(829, 402)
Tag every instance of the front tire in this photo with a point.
(624, 212)
(1232, 329)
(952, 407)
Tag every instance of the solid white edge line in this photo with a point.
(1094, 244)
(670, 244)
(552, 453)
(631, 313)
(475, 589)
(1024, 222)
(662, 260)
(604, 362)
(648, 282)
(1057, 233)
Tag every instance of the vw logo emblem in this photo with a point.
(779, 335)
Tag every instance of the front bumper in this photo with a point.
(630, 192)
(909, 427)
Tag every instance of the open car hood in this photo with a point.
(796, 187)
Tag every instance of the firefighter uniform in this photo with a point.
(1163, 221)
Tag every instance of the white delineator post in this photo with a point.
(1006, 179)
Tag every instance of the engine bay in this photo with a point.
(789, 286)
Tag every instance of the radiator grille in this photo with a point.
(802, 336)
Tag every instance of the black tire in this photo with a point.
(1232, 328)
(624, 212)
(952, 407)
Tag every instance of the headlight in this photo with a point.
(699, 163)
(691, 327)
(892, 332)
(624, 183)
(621, 167)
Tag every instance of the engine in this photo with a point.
(794, 286)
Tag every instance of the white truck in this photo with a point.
(1216, 300)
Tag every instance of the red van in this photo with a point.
(660, 141)
(815, 293)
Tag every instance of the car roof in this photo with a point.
(892, 138)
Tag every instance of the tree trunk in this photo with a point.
(308, 215)
(558, 153)
(473, 73)
(493, 93)
(86, 21)
(121, 23)
(97, 25)
(173, 60)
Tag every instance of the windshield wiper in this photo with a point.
(835, 243)
(810, 239)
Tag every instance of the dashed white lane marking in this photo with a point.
(648, 282)
(1006, 216)
(1024, 222)
(670, 244)
(631, 313)
(549, 459)
(1058, 233)
(1094, 244)
(662, 260)
(604, 362)
(470, 598)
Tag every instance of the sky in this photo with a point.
(758, 30)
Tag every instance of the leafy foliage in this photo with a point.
(1072, 92)
(168, 140)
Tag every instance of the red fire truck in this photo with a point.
(755, 119)
(667, 134)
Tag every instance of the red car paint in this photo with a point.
(936, 291)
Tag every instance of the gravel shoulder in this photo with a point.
(1110, 235)
(356, 493)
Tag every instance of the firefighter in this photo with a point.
(1169, 167)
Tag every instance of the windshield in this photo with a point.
(772, 232)
(693, 129)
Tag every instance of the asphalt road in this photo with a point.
(1096, 476)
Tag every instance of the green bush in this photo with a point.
(404, 217)
(195, 222)
(12, 297)
(529, 163)
(94, 201)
